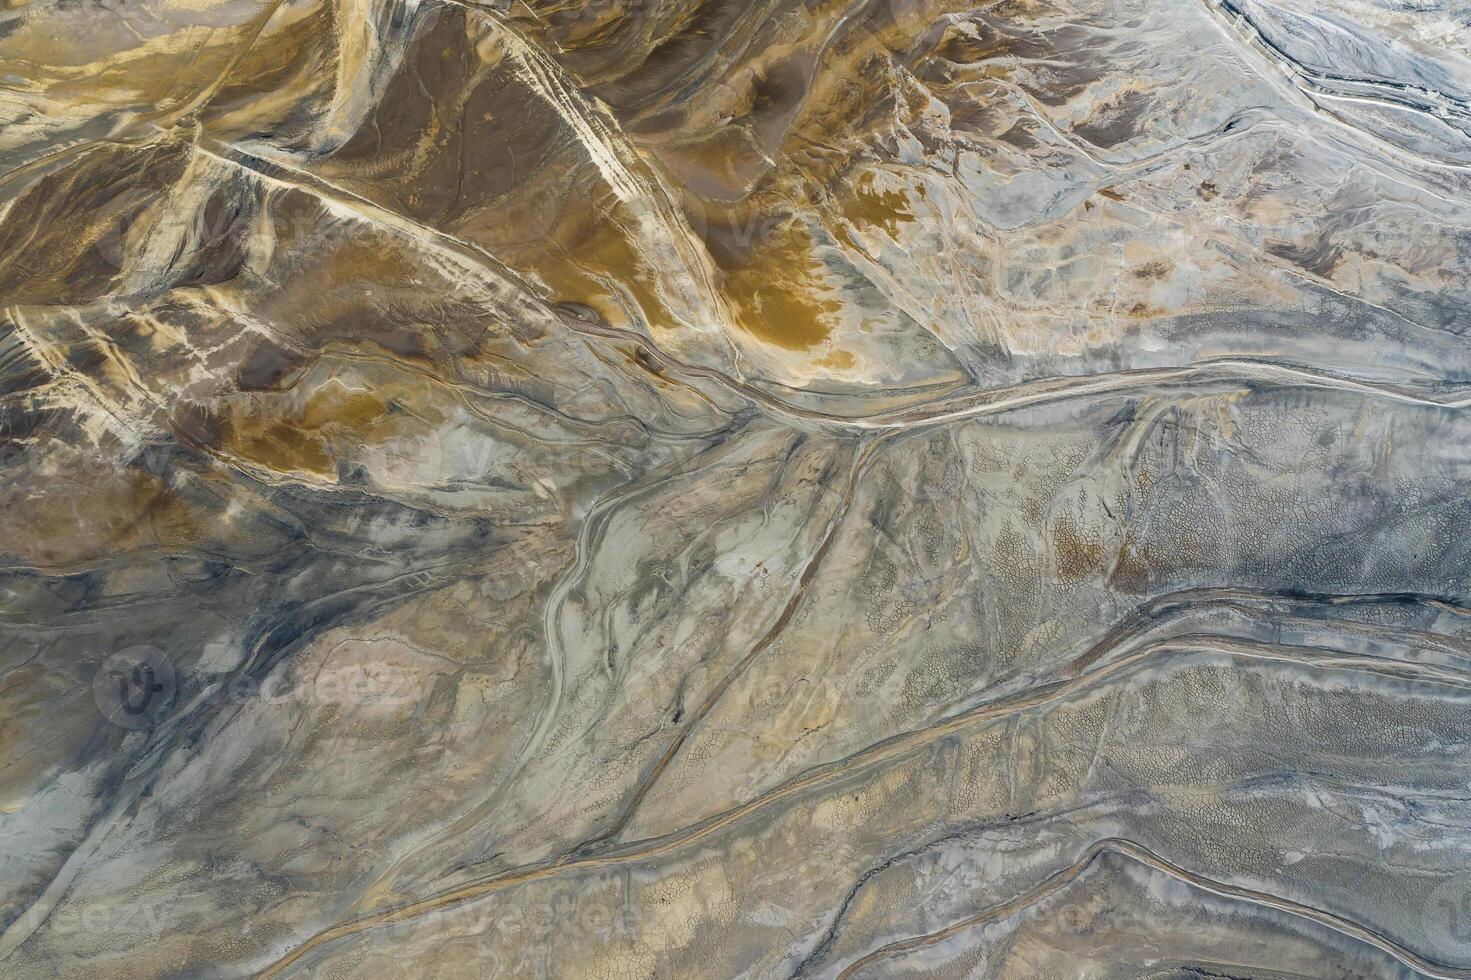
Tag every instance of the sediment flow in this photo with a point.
(686, 488)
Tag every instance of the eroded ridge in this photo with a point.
(702, 489)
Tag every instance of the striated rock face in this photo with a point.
(714, 488)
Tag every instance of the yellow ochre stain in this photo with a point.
(886, 209)
(771, 290)
(299, 439)
(594, 255)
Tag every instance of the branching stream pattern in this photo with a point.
(735, 488)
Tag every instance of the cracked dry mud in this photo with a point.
(735, 488)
